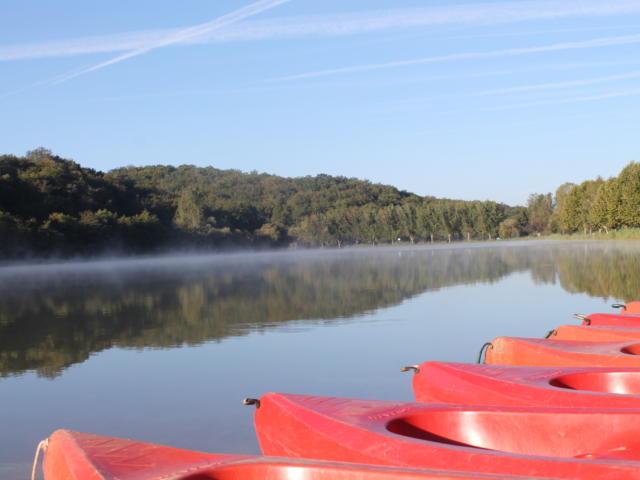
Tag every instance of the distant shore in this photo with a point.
(621, 234)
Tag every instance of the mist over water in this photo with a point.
(162, 349)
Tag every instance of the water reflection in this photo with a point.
(53, 317)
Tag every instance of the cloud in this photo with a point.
(554, 85)
(598, 42)
(331, 25)
(580, 99)
(182, 35)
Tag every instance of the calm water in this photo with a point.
(163, 350)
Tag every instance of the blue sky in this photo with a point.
(459, 99)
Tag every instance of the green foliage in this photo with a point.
(569, 214)
(271, 232)
(515, 225)
(560, 197)
(628, 186)
(599, 204)
(189, 213)
(52, 205)
(539, 211)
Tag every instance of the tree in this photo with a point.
(488, 217)
(369, 226)
(628, 185)
(569, 215)
(389, 222)
(560, 197)
(509, 228)
(589, 190)
(539, 211)
(427, 220)
(272, 232)
(189, 213)
(408, 221)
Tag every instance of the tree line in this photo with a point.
(52, 205)
(599, 205)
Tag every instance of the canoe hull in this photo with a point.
(559, 443)
(572, 387)
(603, 333)
(562, 353)
(80, 456)
(613, 319)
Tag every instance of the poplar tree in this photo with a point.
(628, 185)
(189, 213)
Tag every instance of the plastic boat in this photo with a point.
(543, 442)
(611, 319)
(80, 456)
(629, 308)
(527, 386)
(546, 352)
(604, 333)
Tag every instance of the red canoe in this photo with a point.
(595, 333)
(563, 353)
(563, 443)
(611, 319)
(527, 386)
(80, 456)
(629, 309)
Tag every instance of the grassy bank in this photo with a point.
(621, 234)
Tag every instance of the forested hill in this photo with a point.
(50, 205)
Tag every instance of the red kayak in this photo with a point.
(595, 333)
(628, 309)
(629, 316)
(610, 319)
(544, 442)
(80, 456)
(527, 386)
(563, 353)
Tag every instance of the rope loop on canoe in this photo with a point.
(551, 333)
(484, 348)
(42, 447)
(251, 401)
(584, 318)
(618, 305)
(409, 368)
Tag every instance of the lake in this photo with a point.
(164, 349)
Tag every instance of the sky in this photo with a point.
(490, 100)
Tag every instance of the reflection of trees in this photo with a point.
(56, 322)
(614, 272)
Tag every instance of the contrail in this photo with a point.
(334, 25)
(586, 98)
(182, 35)
(598, 42)
(553, 85)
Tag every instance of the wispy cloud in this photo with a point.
(598, 42)
(330, 25)
(182, 35)
(578, 99)
(556, 85)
